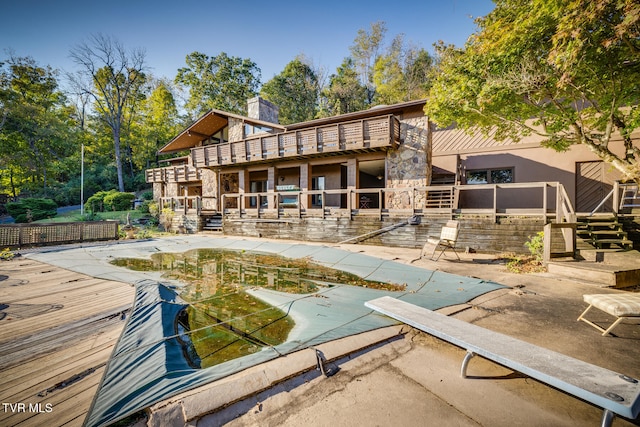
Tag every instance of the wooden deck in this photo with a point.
(57, 331)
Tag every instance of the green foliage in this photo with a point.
(154, 209)
(89, 216)
(565, 70)
(96, 203)
(144, 207)
(535, 244)
(223, 82)
(403, 74)
(144, 234)
(527, 264)
(35, 128)
(295, 90)
(117, 201)
(345, 93)
(147, 195)
(114, 79)
(166, 218)
(365, 51)
(6, 254)
(156, 123)
(32, 209)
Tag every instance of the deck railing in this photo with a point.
(41, 234)
(377, 132)
(184, 204)
(183, 173)
(625, 196)
(552, 202)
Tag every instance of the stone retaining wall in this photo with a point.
(479, 234)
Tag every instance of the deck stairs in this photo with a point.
(212, 223)
(606, 255)
(602, 231)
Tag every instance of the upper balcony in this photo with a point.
(182, 173)
(372, 133)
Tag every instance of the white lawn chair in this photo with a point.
(447, 240)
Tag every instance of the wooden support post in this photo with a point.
(305, 185)
(271, 186)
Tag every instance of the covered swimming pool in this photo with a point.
(151, 361)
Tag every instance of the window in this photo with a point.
(250, 129)
(317, 183)
(219, 137)
(257, 187)
(490, 176)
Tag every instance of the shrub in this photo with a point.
(6, 254)
(145, 206)
(119, 201)
(95, 203)
(89, 216)
(147, 195)
(536, 245)
(166, 218)
(154, 209)
(27, 210)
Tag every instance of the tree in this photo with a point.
(156, 125)
(345, 93)
(365, 51)
(403, 74)
(294, 91)
(35, 124)
(113, 77)
(565, 70)
(223, 82)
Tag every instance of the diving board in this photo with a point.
(613, 392)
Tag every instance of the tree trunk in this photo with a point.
(116, 146)
(13, 186)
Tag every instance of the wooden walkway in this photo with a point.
(57, 331)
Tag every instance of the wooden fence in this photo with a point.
(30, 234)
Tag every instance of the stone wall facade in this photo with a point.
(409, 165)
(261, 109)
(236, 130)
(209, 189)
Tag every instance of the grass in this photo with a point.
(120, 216)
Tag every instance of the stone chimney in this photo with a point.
(261, 109)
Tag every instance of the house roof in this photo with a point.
(207, 125)
(378, 110)
(214, 120)
(458, 141)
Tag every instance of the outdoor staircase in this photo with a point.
(602, 232)
(213, 223)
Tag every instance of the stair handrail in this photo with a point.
(565, 205)
(626, 188)
(604, 200)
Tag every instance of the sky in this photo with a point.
(269, 32)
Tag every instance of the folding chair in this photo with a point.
(621, 306)
(448, 239)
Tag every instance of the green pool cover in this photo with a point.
(150, 364)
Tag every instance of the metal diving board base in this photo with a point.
(613, 392)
